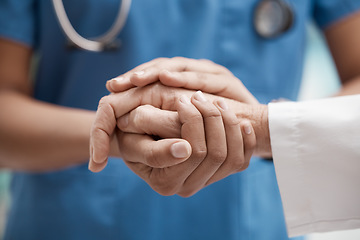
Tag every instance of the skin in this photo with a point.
(36, 136)
(225, 152)
(205, 75)
(187, 73)
(39, 145)
(220, 144)
(343, 40)
(198, 74)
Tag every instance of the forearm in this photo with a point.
(350, 87)
(36, 136)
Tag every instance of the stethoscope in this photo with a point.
(98, 44)
(271, 19)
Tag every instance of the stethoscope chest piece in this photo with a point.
(272, 18)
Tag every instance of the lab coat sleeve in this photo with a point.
(316, 151)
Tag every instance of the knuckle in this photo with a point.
(151, 159)
(165, 192)
(186, 194)
(177, 58)
(104, 101)
(157, 87)
(199, 152)
(237, 164)
(163, 185)
(201, 76)
(212, 113)
(204, 60)
(245, 165)
(160, 59)
(194, 118)
(164, 189)
(180, 61)
(159, 62)
(233, 122)
(140, 116)
(217, 157)
(136, 117)
(224, 69)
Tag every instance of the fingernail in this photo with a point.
(247, 129)
(185, 100)
(124, 121)
(114, 81)
(139, 73)
(118, 79)
(200, 96)
(223, 104)
(180, 150)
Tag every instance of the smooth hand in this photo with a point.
(193, 74)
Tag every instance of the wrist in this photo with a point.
(257, 114)
(262, 131)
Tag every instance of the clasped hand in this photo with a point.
(199, 139)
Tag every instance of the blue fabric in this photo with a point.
(18, 20)
(116, 204)
(328, 11)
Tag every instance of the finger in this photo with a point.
(101, 131)
(105, 123)
(249, 139)
(177, 64)
(206, 82)
(168, 181)
(156, 95)
(122, 82)
(235, 152)
(192, 130)
(114, 106)
(215, 144)
(119, 84)
(219, 84)
(149, 120)
(97, 167)
(138, 148)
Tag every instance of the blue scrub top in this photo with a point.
(117, 204)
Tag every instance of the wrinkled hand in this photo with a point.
(162, 163)
(221, 146)
(113, 106)
(185, 73)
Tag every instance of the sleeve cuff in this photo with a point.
(316, 153)
(283, 119)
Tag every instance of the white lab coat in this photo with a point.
(316, 151)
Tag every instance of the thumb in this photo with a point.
(150, 120)
(163, 153)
